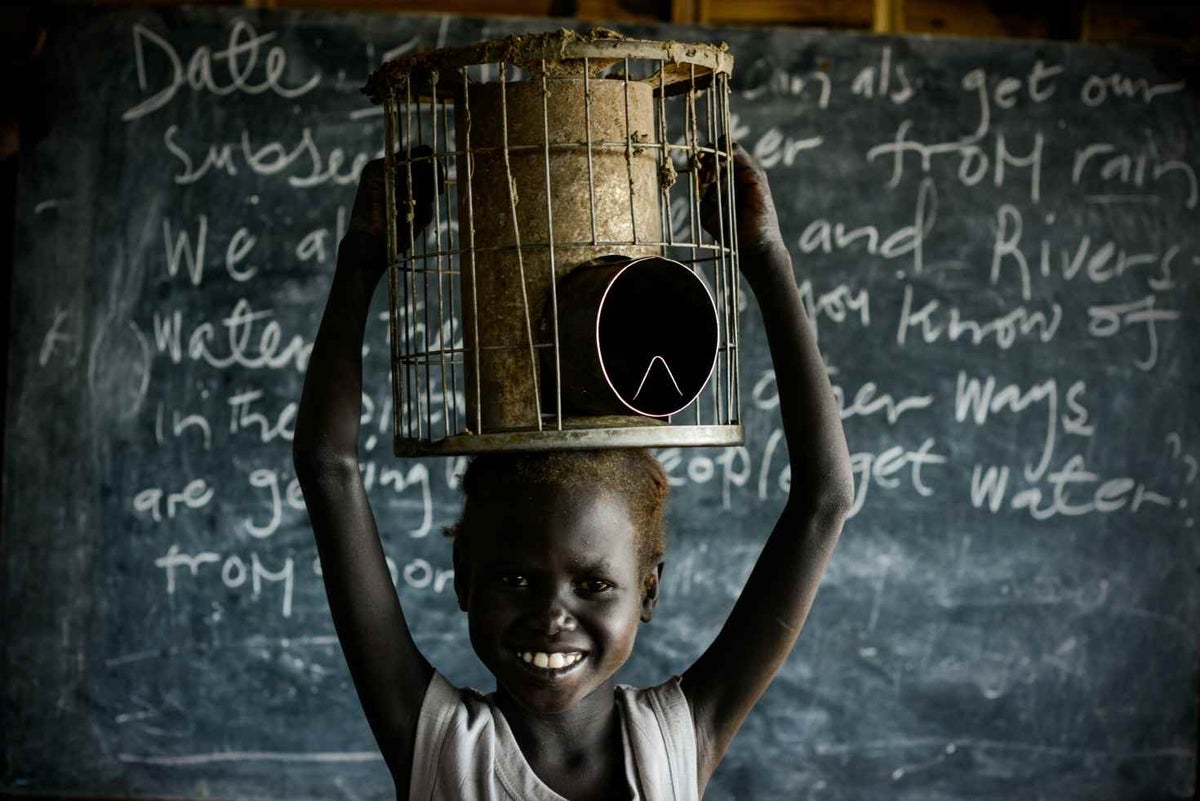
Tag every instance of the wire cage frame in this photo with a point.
(553, 151)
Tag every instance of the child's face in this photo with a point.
(554, 593)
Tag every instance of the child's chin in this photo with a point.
(546, 698)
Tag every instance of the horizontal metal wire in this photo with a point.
(423, 356)
(597, 144)
(527, 246)
(643, 436)
(405, 265)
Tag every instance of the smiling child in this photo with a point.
(558, 559)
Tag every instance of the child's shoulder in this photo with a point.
(661, 736)
(462, 734)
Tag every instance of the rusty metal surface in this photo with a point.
(560, 53)
(616, 209)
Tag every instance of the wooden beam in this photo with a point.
(622, 11)
(1153, 23)
(521, 8)
(855, 14)
(1023, 19)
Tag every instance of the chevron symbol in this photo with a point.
(649, 367)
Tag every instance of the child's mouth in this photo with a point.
(550, 664)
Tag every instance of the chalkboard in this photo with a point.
(998, 245)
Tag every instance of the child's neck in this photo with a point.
(577, 753)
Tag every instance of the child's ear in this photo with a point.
(462, 571)
(650, 591)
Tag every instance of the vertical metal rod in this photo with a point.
(455, 279)
(403, 279)
(629, 155)
(469, 158)
(689, 149)
(587, 121)
(663, 169)
(734, 257)
(699, 402)
(558, 416)
(512, 203)
(437, 222)
(694, 187)
(423, 365)
(410, 213)
(390, 122)
(719, 265)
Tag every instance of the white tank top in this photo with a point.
(465, 750)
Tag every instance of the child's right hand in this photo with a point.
(367, 230)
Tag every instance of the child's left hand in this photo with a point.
(757, 223)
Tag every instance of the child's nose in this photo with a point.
(553, 617)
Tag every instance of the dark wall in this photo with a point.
(999, 247)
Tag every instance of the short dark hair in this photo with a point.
(632, 473)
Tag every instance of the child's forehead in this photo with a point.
(563, 522)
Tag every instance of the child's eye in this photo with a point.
(514, 580)
(594, 586)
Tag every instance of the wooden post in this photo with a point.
(889, 16)
(689, 12)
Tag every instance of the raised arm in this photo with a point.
(389, 672)
(729, 678)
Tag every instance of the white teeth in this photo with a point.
(545, 661)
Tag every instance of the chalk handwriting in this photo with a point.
(304, 164)
(417, 574)
(1099, 89)
(1141, 169)
(1100, 265)
(978, 400)
(1111, 319)
(733, 466)
(1070, 491)
(839, 305)
(183, 253)
(55, 336)
(268, 479)
(786, 84)
(975, 163)
(824, 236)
(234, 573)
(774, 148)
(876, 80)
(244, 417)
(881, 469)
(400, 481)
(866, 400)
(245, 344)
(1005, 92)
(239, 60)
(179, 424)
(932, 324)
(160, 504)
(180, 249)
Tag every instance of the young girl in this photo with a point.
(557, 559)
